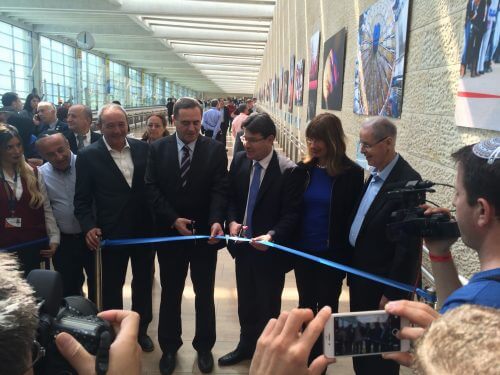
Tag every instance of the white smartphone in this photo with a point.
(363, 333)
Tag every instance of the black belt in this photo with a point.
(73, 235)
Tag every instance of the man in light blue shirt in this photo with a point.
(211, 120)
(59, 177)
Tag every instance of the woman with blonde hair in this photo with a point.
(333, 187)
(157, 127)
(25, 210)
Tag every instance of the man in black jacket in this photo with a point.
(110, 202)
(186, 181)
(79, 134)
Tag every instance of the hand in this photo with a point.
(124, 353)
(216, 230)
(383, 301)
(438, 246)
(284, 349)
(234, 228)
(93, 238)
(417, 313)
(255, 242)
(34, 162)
(36, 120)
(49, 253)
(181, 225)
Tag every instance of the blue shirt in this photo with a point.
(378, 179)
(316, 216)
(479, 291)
(212, 120)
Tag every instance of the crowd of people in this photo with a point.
(78, 187)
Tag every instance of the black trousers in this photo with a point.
(365, 295)
(114, 269)
(70, 259)
(318, 286)
(223, 133)
(175, 260)
(29, 258)
(260, 284)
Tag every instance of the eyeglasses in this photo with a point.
(37, 353)
(245, 140)
(368, 146)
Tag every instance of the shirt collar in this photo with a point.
(384, 173)
(181, 144)
(265, 161)
(87, 135)
(109, 147)
(53, 124)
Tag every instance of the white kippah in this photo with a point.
(488, 149)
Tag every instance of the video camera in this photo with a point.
(411, 221)
(75, 315)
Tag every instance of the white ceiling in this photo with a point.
(205, 45)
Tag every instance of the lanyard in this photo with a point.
(11, 194)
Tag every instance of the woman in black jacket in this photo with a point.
(333, 188)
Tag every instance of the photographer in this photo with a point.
(19, 350)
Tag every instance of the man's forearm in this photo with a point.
(446, 279)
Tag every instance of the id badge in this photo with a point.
(13, 222)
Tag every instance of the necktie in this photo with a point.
(252, 197)
(80, 138)
(185, 164)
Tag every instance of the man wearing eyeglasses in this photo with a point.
(371, 249)
(264, 205)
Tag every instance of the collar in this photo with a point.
(265, 161)
(53, 125)
(87, 135)
(384, 173)
(181, 144)
(109, 147)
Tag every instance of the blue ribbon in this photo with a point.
(23, 245)
(383, 280)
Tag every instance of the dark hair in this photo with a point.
(480, 179)
(242, 108)
(186, 103)
(328, 128)
(214, 102)
(27, 103)
(62, 113)
(116, 102)
(8, 98)
(260, 123)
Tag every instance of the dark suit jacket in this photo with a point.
(60, 127)
(204, 197)
(72, 139)
(278, 205)
(120, 210)
(373, 251)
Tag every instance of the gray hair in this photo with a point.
(186, 103)
(47, 104)
(109, 107)
(18, 317)
(49, 134)
(381, 127)
(86, 110)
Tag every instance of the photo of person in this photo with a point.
(333, 71)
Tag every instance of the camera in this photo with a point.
(75, 315)
(411, 221)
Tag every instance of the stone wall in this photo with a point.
(427, 131)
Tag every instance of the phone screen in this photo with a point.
(366, 334)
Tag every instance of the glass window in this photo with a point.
(117, 83)
(93, 80)
(147, 93)
(159, 97)
(135, 87)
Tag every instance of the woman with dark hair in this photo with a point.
(25, 211)
(334, 184)
(157, 127)
(30, 106)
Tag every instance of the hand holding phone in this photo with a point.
(364, 333)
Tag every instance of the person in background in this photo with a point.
(79, 134)
(334, 184)
(157, 127)
(30, 106)
(239, 119)
(46, 119)
(25, 210)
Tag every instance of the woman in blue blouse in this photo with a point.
(333, 188)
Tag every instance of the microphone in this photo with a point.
(415, 184)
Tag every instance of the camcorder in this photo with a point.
(75, 315)
(411, 221)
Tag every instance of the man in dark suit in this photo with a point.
(46, 119)
(79, 134)
(372, 251)
(265, 200)
(110, 202)
(187, 188)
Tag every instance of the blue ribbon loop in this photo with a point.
(23, 245)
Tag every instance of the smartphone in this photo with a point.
(363, 333)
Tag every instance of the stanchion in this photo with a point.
(98, 277)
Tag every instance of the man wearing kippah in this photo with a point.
(477, 202)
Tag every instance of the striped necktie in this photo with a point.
(81, 139)
(185, 164)
(252, 197)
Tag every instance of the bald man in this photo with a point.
(79, 134)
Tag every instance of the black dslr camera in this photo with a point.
(411, 221)
(75, 315)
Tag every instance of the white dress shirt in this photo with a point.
(123, 160)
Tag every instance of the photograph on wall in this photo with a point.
(285, 86)
(276, 88)
(299, 82)
(379, 72)
(282, 76)
(478, 96)
(291, 82)
(333, 71)
(313, 74)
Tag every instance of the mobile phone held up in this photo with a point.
(363, 333)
